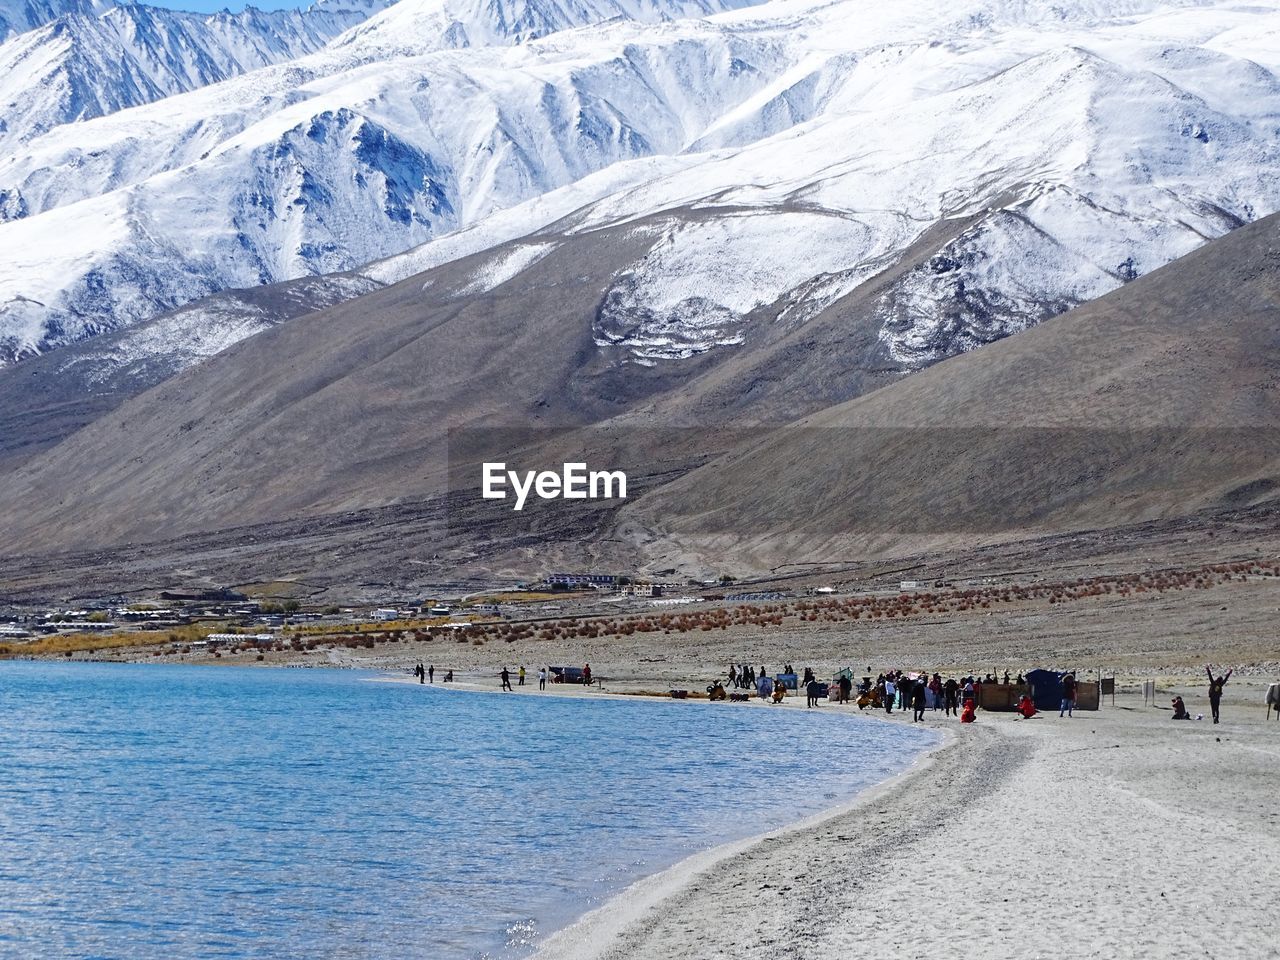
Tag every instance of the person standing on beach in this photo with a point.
(506, 679)
(431, 673)
(951, 694)
(520, 681)
(1068, 695)
(586, 674)
(812, 691)
(918, 700)
(1215, 689)
(542, 678)
(733, 676)
(846, 687)
(890, 691)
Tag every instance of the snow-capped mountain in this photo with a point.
(79, 66)
(19, 16)
(325, 174)
(1074, 145)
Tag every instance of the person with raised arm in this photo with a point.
(1215, 689)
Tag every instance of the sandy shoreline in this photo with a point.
(1120, 833)
(1113, 834)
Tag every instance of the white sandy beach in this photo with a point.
(1114, 834)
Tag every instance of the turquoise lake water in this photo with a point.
(165, 812)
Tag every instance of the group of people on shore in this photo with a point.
(895, 689)
(544, 674)
(427, 674)
(898, 689)
(744, 676)
(921, 692)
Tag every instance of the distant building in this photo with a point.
(582, 580)
(647, 588)
(641, 588)
(260, 639)
(385, 614)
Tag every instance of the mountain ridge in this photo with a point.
(774, 88)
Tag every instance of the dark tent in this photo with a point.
(1046, 688)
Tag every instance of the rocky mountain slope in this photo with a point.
(1158, 400)
(1127, 408)
(47, 398)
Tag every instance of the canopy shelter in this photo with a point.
(1046, 690)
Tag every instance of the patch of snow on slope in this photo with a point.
(508, 265)
(693, 290)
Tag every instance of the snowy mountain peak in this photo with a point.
(84, 65)
(411, 27)
(19, 16)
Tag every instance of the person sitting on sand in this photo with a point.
(968, 714)
(1215, 689)
(1026, 707)
(448, 676)
(1180, 709)
(779, 691)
